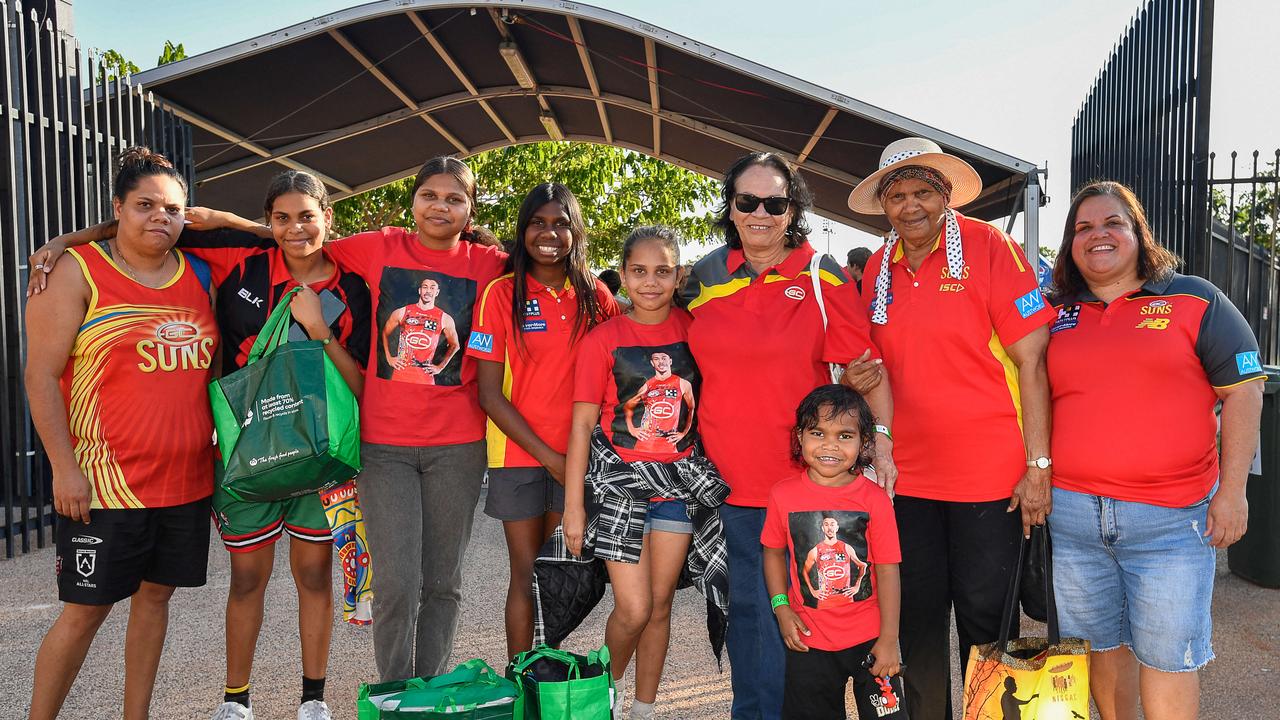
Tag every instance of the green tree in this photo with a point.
(1255, 212)
(617, 188)
(171, 53)
(115, 65)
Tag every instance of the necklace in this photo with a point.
(118, 255)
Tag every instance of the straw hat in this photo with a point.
(965, 183)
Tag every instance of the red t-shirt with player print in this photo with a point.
(836, 536)
(395, 411)
(645, 381)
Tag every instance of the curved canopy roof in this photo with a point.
(363, 96)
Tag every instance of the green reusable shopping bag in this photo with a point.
(559, 685)
(473, 691)
(287, 423)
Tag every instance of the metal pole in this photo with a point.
(1031, 220)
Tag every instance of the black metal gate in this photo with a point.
(56, 153)
(1145, 122)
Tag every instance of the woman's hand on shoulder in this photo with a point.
(203, 218)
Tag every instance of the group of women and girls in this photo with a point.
(859, 514)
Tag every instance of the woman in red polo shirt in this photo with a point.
(956, 310)
(758, 335)
(527, 330)
(1138, 358)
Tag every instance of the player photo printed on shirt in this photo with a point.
(831, 556)
(656, 389)
(421, 316)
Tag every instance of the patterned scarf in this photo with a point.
(955, 254)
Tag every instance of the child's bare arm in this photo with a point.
(888, 594)
(585, 417)
(775, 579)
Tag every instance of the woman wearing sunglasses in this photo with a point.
(760, 340)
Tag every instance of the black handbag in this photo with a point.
(1032, 595)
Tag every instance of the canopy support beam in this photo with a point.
(458, 73)
(253, 147)
(817, 135)
(651, 60)
(390, 85)
(576, 29)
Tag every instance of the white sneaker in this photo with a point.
(314, 710)
(232, 711)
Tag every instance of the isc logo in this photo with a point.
(1154, 323)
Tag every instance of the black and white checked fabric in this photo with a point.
(617, 505)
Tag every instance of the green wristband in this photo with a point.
(779, 599)
(884, 431)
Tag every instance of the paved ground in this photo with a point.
(1243, 682)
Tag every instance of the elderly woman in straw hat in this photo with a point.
(957, 313)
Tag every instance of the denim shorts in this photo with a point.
(668, 516)
(1128, 573)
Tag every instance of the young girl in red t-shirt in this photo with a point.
(634, 417)
(528, 325)
(837, 600)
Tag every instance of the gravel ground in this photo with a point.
(1243, 681)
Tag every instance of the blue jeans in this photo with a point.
(1129, 573)
(756, 655)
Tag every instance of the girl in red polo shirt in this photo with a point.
(632, 437)
(528, 325)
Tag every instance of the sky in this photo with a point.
(1008, 74)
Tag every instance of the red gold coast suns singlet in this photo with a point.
(835, 572)
(135, 387)
(419, 338)
(661, 414)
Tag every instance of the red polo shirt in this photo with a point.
(394, 264)
(537, 362)
(957, 414)
(1133, 389)
(760, 343)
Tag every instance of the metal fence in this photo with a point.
(1145, 122)
(1240, 243)
(56, 156)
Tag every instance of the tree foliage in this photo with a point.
(1252, 212)
(171, 53)
(116, 65)
(618, 190)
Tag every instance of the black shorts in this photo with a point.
(522, 493)
(106, 561)
(815, 685)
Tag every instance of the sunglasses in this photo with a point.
(776, 205)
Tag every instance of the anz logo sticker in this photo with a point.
(1029, 304)
(480, 341)
(1248, 363)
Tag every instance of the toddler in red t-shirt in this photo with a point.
(837, 600)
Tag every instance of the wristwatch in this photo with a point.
(1041, 462)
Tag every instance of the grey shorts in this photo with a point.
(522, 493)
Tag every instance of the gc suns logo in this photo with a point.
(795, 292)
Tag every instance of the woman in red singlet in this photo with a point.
(129, 319)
